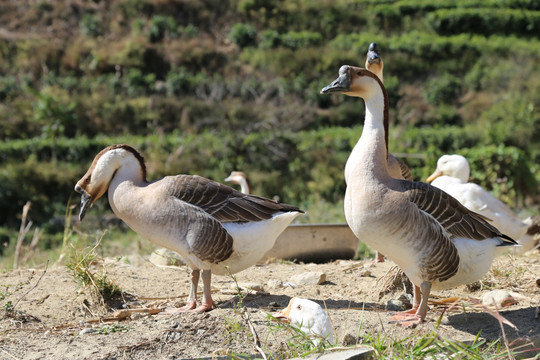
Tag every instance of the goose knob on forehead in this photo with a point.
(213, 227)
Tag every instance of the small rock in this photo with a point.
(406, 299)
(138, 315)
(274, 284)
(501, 298)
(273, 304)
(349, 340)
(364, 273)
(166, 257)
(248, 286)
(395, 305)
(87, 331)
(309, 278)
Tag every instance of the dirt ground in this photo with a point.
(51, 318)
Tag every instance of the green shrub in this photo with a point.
(445, 89)
(90, 25)
(487, 21)
(159, 26)
(297, 40)
(269, 39)
(505, 171)
(243, 35)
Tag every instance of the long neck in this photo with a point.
(371, 151)
(245, 187)
(129, 169)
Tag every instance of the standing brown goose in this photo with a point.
(436, 241)
(213, 227)
(396, 167)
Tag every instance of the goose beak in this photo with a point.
(228, 178)
(283, 315)
(373, 58)
(373, 54)
(433, 176)
(86, 202)
(341, 84)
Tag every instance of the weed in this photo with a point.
(79, 261)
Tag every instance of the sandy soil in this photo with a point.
(50, 311)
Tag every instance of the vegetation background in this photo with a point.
(206, 87)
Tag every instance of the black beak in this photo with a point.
(341, 84)
(373, 54)
(86, 202)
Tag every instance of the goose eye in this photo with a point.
(299, 307)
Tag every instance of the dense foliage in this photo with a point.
(210, 86)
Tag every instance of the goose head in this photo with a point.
(105, 166)
(309, 316)
(236, 177)
(374, 62)
(354, 81)
(451, 165)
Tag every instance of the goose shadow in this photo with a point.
(527, 329)
(277, 302)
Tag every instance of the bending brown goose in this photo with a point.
(213, 227)
(436, 241)
(396, 167)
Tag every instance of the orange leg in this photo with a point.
(418, 313)
(191, 304)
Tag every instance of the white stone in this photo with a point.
(309, 278)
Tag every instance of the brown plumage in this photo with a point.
(214, 227)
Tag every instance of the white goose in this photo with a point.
(396, 167)
(309, 317)
(452, 176)
(436, 241)
(213, 227)
(239, 178)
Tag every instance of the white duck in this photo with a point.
(309, 317)
(436, 241)
(213, 227)
(239, 178)
(452, 176)
(396, 167)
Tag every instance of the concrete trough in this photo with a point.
(314, 243)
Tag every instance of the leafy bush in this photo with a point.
(90, 25)
(487, 21)
(296, 40)
(269, 39)
(443, 90)
(243, 35)
(161, 25)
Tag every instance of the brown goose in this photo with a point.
(436, 241)
(375, 64)
(213, 227)
(396, 167)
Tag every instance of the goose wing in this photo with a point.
(405, 171)
(222, 202)
(455, 218)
